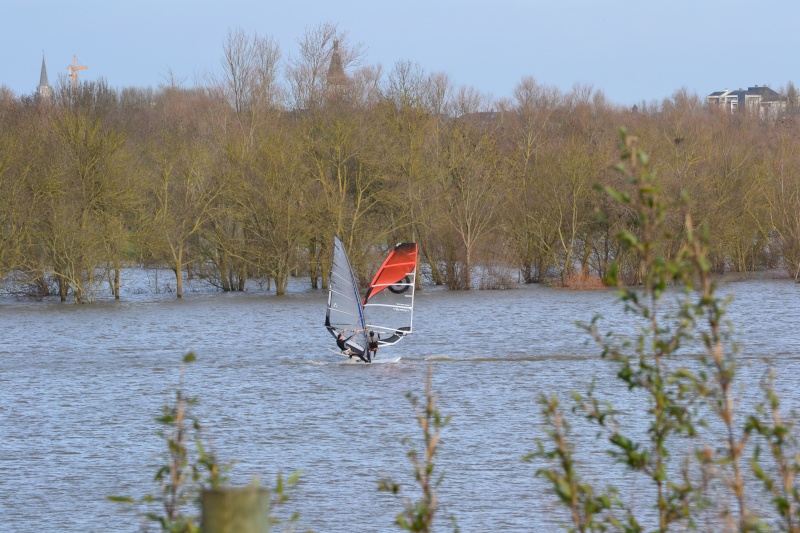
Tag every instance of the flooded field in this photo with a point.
(80, 386)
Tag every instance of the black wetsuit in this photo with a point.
(373, 345)
(342, 344)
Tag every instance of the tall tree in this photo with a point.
(182, 193)
(781, 191)
(526, 134)
(86, 192)
(19, 150)
(472, 179)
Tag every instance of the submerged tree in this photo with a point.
(86, 193)
(181, 191)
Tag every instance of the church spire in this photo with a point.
(337, 79)
(44, 90)
(336, 75)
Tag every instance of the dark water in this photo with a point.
(80, 386)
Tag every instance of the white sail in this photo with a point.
(345, 314)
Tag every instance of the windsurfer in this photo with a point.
(373, 344)
(341, 342)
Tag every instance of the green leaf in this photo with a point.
(294, 478)
(563, 489)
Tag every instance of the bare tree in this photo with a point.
(249, 74)
(182, 194)
(527, 133)
(365, 87)
(467, 101)
(792, 99)
(438, 93)
(405, 85)
(782, 192)
(19, 153)
(88, 195)
(307, 73)
(472, 178)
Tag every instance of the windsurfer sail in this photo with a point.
(389, 302)
(344, 313)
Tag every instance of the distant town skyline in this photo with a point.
(631, 51)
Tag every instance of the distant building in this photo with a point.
(757, 100)
(483, 118)
(337, 81)
(44, 90)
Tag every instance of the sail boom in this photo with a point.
(399, 307)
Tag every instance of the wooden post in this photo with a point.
(236, 510)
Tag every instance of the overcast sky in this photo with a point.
(632, 50)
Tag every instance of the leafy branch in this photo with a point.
(183, 474)
(419, 515)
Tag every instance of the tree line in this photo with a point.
(251, 171)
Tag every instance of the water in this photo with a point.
(81, 385)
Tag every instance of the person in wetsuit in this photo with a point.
(341, 342)
(373, 344)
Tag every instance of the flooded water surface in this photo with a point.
(80, 386)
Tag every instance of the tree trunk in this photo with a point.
(178, 277)
(223, 271)
(435, 274)
(62, 287)
(587, 251)
(281, 283)
(242, 278)
(468, 269)
(313, 263)
(116, 280)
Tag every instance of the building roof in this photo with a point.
(764, 91)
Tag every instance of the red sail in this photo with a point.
(401, 262)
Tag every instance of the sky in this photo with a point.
(632, 50)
